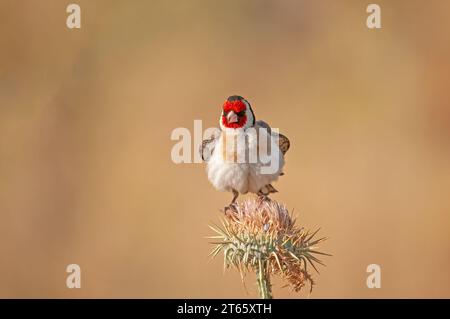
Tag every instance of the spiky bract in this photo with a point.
(261, 235)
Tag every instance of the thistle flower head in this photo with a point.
(262, 236)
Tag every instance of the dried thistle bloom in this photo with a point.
(260, 235)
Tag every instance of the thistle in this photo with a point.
(261, 236)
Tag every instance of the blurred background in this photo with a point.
(86, 175)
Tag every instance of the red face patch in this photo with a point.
(237, 107)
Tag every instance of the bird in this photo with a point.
(228, 152)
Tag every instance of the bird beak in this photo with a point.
(232, 117)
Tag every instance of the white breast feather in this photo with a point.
(225, 173)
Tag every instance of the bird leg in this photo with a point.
(233, 201)
(236, 194)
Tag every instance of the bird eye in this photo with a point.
(241, 113)
(225, 113)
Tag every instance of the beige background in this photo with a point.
(86, 115)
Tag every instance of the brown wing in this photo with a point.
(283, 143)
(208, 145)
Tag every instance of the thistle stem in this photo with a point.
(263, 279)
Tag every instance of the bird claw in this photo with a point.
(232, 207)
(263, 198)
